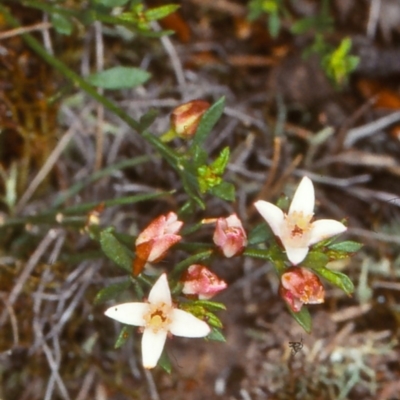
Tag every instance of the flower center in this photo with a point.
(297, 229)
(158, 317)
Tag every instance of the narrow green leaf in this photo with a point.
(160, 12)
(347, 246)
(218, 166)
(165, 363)
(315, 259)
(111, 292)
(216, 335)
(115, 250)
(303, 318)
(212, 305)
(213, 320)
(224, 190)
(62, 24)
(260, 234)
(123, 336)
(338, 279)
(112, 3)
(208, 120)
(119, 78)
(274, 24)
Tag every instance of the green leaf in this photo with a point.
(111, 292)
(216, 335)
(208, 120)
(112, 3)
(224, 190)
(115, 250)
(213, 320)
(165, 363)
(123, 336)
(199, 156)
(160, 12)
(274, 24)
(219, 165)
(346, 247)
(260, 234)
(338, 279)
(119, 78)
(62, 24)
(315, 259)
(303, 318)
(212, 305)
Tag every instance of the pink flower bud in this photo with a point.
(230, 236)
(199, 280)
(153, 242)
(300, 286)
(186, 117)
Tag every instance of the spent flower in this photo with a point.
(296, 230)
(186, 117)
(300, 286)
(154, 241)
(230, 236)
(158, 317)
(199, 281)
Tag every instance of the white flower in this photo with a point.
(158, 317)
(296, 230)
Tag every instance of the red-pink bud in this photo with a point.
(186, 117)
(300, 286)
(153, 242)
(200, 281)
(230, 236)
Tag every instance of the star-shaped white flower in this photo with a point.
(158, 317)
(296, 229)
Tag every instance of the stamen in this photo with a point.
(158, 317)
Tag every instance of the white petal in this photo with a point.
(128, 313)
(152, 347)
(304, 198)
(296, 254)
(160, 292)
(272, 214)
(324, 229)
(187, 325)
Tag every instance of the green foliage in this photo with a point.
(62, 24)
(303, 318)
(216, 335)
(115, 250)
(346, 246)
(339, 63)
(112, 3)
(165, 363)
(260, 234)
(208, 121)
(119, 78)
(123, 336)
(274, 10)
(210, 176)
